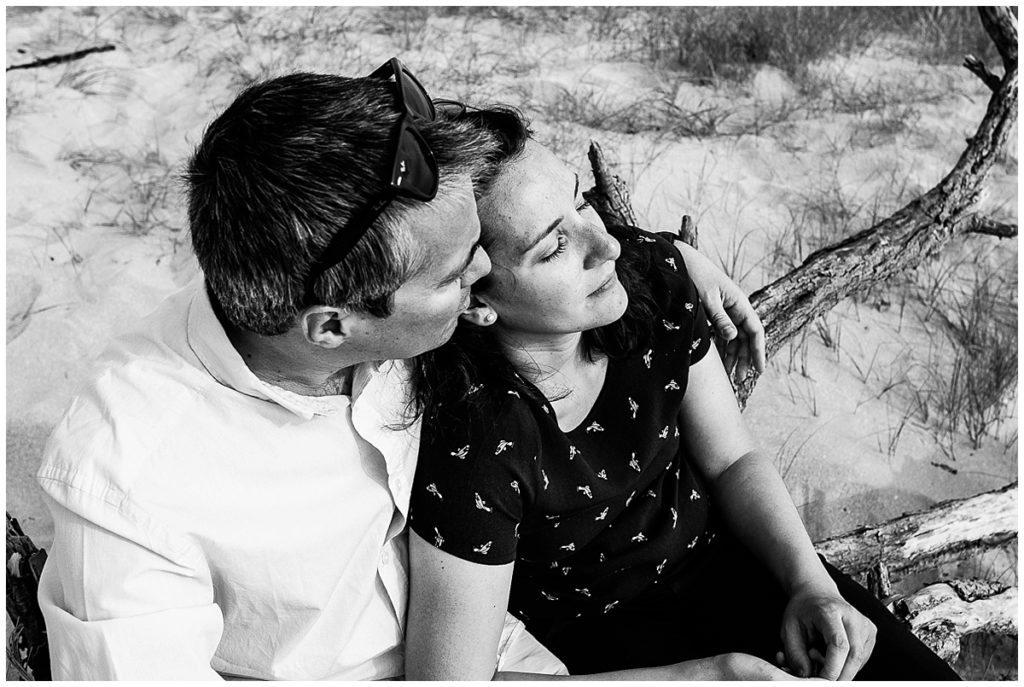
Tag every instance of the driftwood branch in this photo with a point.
(924, 542)
(950, 622)
(971, 623)
(610, 196)
(977, 67)
(896, 244)
(688, 231)
(980, 224)
(60, 59)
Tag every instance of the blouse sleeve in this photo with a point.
(680, 304)
(473, 481)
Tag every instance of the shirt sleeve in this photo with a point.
(152, 618)
(678, 297)
(473, 482)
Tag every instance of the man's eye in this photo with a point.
(583, 205)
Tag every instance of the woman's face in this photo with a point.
(554, 262)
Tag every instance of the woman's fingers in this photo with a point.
(861, 634)
(837, 646)
(795, 645)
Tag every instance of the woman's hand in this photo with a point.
(825, 636)
(730, 312)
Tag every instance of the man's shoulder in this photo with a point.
(142, 384)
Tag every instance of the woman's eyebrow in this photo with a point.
(553, 225)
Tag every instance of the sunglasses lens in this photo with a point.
(417, 102)
(415, 170)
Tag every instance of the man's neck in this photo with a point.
(291, 365)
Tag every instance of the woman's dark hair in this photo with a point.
(473, 359)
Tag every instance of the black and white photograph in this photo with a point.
(512, 342)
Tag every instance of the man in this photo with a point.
(230, 490)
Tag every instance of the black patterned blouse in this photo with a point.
(592, 516)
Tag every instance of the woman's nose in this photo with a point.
(603, 247)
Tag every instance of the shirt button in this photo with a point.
(385, 558)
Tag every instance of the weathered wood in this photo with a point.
(944, 534)
(893, 246)
(610, 195)
(902, 241)
(992, 227)
(948, 621)
(972, 623)
(26, 644)
(978, 68)
(688, 231)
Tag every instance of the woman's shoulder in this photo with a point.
(492, 414)
(670, 282)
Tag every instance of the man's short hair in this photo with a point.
(283, 168)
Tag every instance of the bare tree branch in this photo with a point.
(894, 245)
(976, 66)
(610, 196)
(688, 231)
(980, 224)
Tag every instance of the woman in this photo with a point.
(584, 464)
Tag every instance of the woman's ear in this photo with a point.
(479, 313)
(325, 326)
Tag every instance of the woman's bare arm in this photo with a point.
(456, 613)
(758, 509)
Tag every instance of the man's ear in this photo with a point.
(325, 326)
(479, 313)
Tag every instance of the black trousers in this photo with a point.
(730, 602)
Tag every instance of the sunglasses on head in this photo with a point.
(413, 169)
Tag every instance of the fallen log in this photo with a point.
(976, 635)
(929, 542)
(971, 623)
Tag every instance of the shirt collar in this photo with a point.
(210, 343)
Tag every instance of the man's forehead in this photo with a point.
(443, 230)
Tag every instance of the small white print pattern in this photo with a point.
(480, 503)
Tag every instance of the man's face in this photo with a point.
(427, 307)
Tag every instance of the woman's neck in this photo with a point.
(537, 358)
(559, 367)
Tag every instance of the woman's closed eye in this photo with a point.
(583, 205)
(559, 249)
